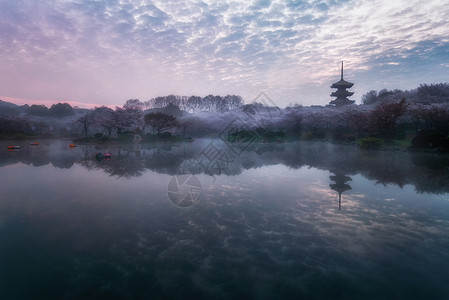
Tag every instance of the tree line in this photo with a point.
(386, 114)
(209, 103)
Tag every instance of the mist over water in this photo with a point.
(263, 223)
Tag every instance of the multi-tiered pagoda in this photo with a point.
(341, 93)
(340, 184)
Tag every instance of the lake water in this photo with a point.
(216, 221)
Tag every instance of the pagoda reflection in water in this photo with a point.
(340, 184)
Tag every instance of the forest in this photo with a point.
(419, 116)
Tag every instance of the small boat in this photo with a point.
(107, 155)
(34, 144)
(72, 145)
(99, 156)
(13, 147)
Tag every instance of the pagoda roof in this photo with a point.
(340, 187)
(340, 178)
(342, 84)
(342, 93)
(340, 101)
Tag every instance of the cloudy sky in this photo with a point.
(107, 51)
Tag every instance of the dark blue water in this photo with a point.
(190, 221)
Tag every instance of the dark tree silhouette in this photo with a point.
(160, 122)
(209, 103)
(386, 115)
(293, 120)
(85, 123)
(433, 93)
(133, 104)
(370, 97)
(104, 117)
(38, 110)
(61, 110)
(127, 119)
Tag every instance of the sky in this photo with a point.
(105, 52)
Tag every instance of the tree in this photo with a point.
(359, 120)
(38, 110)
(370, 97)
(172, 110)
(194, 103)
(233, 102)
(160, 122)
(388, 96)
(85, 123)
(433, 93)
(14, 125)
(127, 119)
(314, 118)
(415, 115)
(133, 104)
(104, 117)
(293, 119)
(60, 110)
(436, 116)
(386, 115)
(352, 117)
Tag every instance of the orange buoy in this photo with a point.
(72, 145)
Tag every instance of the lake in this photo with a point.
(210, 220)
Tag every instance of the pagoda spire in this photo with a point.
(341, 70)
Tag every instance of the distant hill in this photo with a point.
(8, 108)
(7, 104)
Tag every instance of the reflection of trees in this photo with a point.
(124, 167)
(88, 164)
(124, 162)
(162, 161)
(63, 162)
(84, 157)
(36, 155)
(430, 173)
(427, 172)
(384, 168)
(45, 153)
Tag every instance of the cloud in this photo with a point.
(215, 47)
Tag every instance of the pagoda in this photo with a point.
(340, 184)
(341, 93)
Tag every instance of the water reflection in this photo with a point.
(340, 184)
(266, 227)
(427, 172)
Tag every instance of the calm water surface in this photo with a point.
(204, 220)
